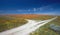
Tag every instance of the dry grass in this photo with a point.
(11, 21)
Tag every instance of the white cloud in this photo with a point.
(46, 8)
(20, 10)
(34, 9)
(42, 10)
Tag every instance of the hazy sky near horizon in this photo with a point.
(30, 7)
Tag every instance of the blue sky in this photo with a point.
(30, 7)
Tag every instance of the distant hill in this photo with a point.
(29, 16)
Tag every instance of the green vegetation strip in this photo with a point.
(7, 23)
